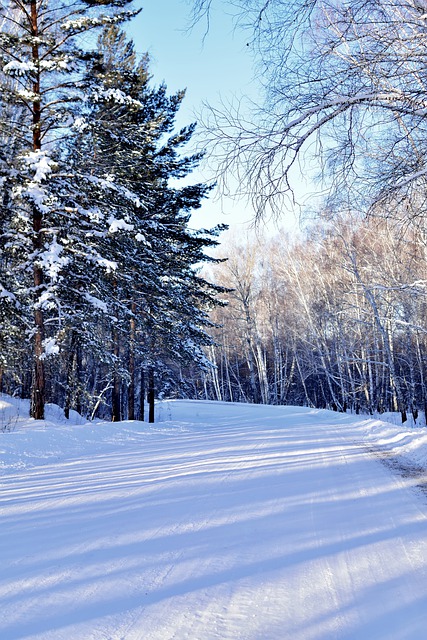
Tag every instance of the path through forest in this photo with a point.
(221, 522)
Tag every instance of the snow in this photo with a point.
(35, 193)
(107, 184)
(81, 124)
(86, 23)
(50, 348)
(139, 237)
(108, 265)
(46, 300)
(40, 163)
(81, 24)
(63, 63)
(94, 214)
(116, 95)
(117, 224)
(51, 259)
(8, 295)
(96, 302)
(28, 96)
(219, 522)
(18, 68)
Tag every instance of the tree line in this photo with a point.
(100, 292)
(101, 296)
(345, 110)
(335, 319)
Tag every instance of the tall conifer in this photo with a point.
(158, 302)
(42, 65)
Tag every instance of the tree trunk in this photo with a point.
(214, 373)
(142, 397)
(131, 386)
(115, 399)
(151, 395)
(71, 366)
(384, 330)
(78, 381)
(38, 390)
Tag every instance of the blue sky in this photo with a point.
(220, 63)
(216, 67)
(213, 69)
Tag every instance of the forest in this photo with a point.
(333, 320)
(337, 317)
(109, 298)
(99, 285)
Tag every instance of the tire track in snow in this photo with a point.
(269, 524)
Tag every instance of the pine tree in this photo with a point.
(98, 260)
(43, 64)
(155, 298)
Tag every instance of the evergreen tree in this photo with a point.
(98, 260)
(126, 136)
(41, 84)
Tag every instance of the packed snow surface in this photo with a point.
(219, 522)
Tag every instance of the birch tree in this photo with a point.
(345, 98)
(339, 317)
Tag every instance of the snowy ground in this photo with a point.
(220, 522)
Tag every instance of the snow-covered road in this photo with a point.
(223, 522)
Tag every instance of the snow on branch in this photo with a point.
(96, 302)
(85, 23)
(108, 184)
(116, 225)
(117, 96)
(50, 348)
(18, 68)
(40, 163)
(7, 295)
(52, 261)
(108, 265)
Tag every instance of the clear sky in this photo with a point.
(214, 68)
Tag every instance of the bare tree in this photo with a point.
(337, 317)
(345, 84)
